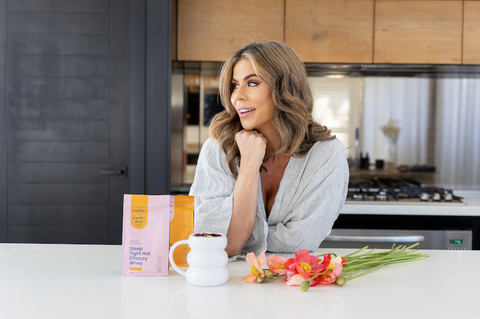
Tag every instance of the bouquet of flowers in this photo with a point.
(307, 270)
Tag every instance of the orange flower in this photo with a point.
(256, 269)
(277, 264)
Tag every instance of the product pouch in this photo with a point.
(181, 226)
(145, 241)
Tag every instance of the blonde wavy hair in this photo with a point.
(277, 65)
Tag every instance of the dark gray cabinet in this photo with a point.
(64, 116)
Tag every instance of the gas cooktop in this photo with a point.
(398, 191)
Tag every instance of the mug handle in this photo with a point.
(170, 255)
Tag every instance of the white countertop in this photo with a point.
(471, 208)
(83, 281)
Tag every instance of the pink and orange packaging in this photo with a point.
(152, 223)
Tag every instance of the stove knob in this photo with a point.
(424, 197)
(436, 197)
(448, 197)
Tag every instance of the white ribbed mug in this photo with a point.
(207, 259)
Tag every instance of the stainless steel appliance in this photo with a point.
(385, 238)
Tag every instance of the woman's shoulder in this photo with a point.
(212, 154)
(332, 147)
(325, 157)
(211, 145)
(325, 154)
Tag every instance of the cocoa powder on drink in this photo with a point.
(207, 235)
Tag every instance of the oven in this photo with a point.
(386, 238)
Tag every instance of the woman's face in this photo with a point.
(251, 97)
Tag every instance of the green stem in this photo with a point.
(359, 263)
(361, 267)
(362, 274)
(355, 252)
(387, 259)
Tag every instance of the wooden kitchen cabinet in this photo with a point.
(471, 33)
(427, 32)
(210, 30)
(330, 31)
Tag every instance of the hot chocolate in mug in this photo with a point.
(207, 259)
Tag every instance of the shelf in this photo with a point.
(422, 177)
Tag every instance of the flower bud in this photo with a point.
(260, 279)
(341, 281)
(269, 274)
(304, 286)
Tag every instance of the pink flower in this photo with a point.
(256, 269)
(295, 280)
(305, 265)
(331, 275)
(277, 264)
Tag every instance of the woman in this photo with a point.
(271, 178)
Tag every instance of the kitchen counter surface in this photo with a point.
(471, 198)
(83, 281)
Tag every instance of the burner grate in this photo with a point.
(396, 189)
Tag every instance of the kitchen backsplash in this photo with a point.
(409, 116)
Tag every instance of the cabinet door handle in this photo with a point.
(116, 171)
(376, 239)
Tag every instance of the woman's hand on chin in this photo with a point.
(252, 146)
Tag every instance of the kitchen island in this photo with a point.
(83, 281)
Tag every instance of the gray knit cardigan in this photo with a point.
(310, 197)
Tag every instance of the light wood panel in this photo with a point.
(418, 32)
(210, 30)
(330, 31)
(471, 33)
(425, 0)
